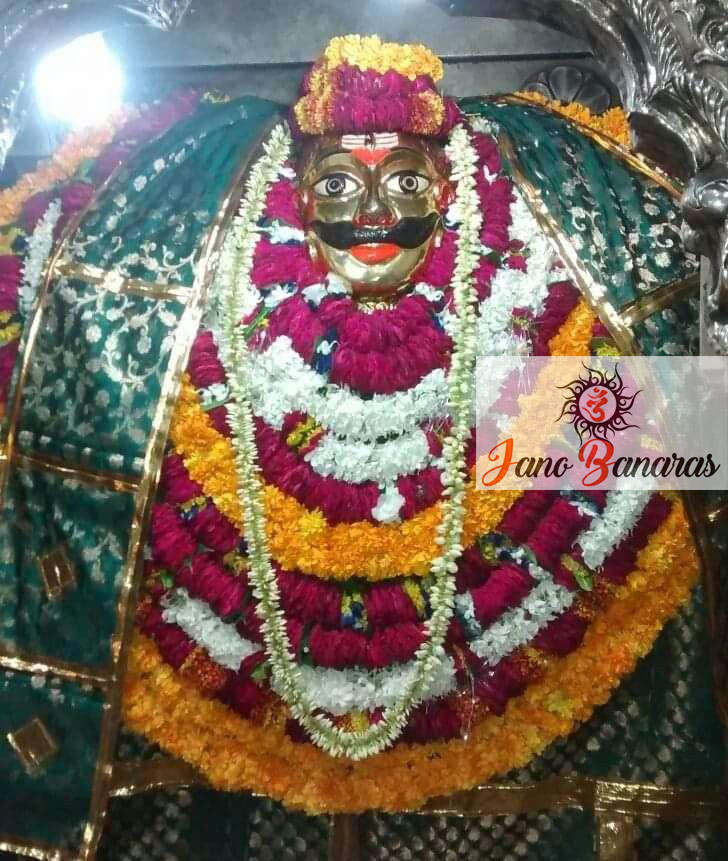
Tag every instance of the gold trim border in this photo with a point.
(717, 513)
(21, 662)
(115, 282)
(639, 163)
(106, 480)
(345, 837)
(607, 798)
(165, 772)
(33, 849)
(615, 837)
(657, 300)
(604, 797)
(592, 293)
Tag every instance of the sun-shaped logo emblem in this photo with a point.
(598, 404)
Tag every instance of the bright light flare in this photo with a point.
(80, 83)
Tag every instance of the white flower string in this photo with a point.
(338, 691)
(40, 244)
(235, 286)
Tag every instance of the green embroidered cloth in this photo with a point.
(91, 397)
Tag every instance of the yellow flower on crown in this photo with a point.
(361, 84)
(369, 52)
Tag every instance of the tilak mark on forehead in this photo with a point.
(370, 148)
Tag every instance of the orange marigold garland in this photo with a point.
(238, 755)
(86, 144)
(301, 539)
(191, 598)
(613, 123)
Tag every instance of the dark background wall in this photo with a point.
(252, 46)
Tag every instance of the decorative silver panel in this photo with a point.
(668, 59)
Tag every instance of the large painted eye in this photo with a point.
(407, 182)
(335, 185)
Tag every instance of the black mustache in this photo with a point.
(407, 232)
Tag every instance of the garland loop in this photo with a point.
(235, 281)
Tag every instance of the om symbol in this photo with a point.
(597, 404)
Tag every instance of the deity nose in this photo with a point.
(373, 212)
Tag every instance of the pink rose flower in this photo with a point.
(214, 530)
(74, 197)
(507, 679)
(33, 210)
(556, 532)
(505, 587)
(8, 355)
(388, 604)
(338, 648)
(283, 203)
(562, 635)
(472, 569)
(242, 694)
(207, 579)
(521, 518)
(11, 274)
(394, 644)
(204, 366)
(174, 645)
(310, 599)
(432, 721)
(176, 484)
(171, 543)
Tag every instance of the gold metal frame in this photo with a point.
(659, 299)
(21, 662)
(583, 279)
(638, 162)
(114, 282)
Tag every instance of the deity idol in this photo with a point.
(281, 319)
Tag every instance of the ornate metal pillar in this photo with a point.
(669, 61)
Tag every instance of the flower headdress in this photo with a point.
(362, 84)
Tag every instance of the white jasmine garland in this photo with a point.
(276, 295)
(213, 396)
(388, 505)
(336, 691)
(282, 382)
(198, 620)
(235, 285)
(342, 691)
(512, 288)
(518, 626)
(622, 511)
(382, 463)
(315, 294)
(432, 294)
(281, 233)
(40, 243)
(548, 600)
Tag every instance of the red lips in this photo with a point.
(375, 252)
